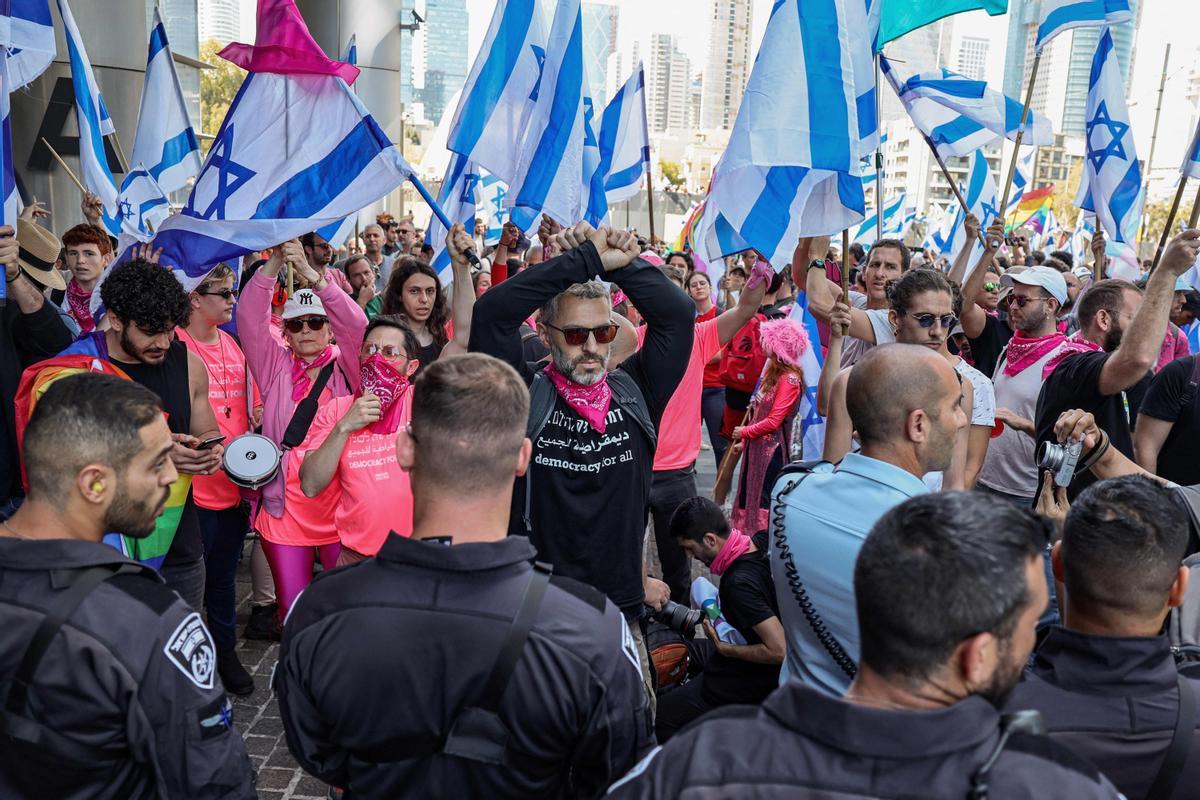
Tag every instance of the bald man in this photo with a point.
(905, 403)
(373, 241)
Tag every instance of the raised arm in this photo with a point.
(463, 303)
(839, 321)
(959, 268)
(973, 317)
(751, 298)
(823, 295)
(839, 430)
(254, 320)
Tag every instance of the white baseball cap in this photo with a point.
(304, 303)
(1049, 279)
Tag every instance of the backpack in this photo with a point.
(744, 359)
(669, 655)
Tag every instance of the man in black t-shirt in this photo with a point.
(1169, 423)
(736, 673)
(1127, 327)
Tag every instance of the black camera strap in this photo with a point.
(306, 411)
(1181, 742)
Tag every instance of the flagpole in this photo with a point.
(441, 215)
(878, 158)
(962, 201)
(120, 153)
(649, 162)
(1012, 168)
(1166, 231)
(1162, 84)
(63, 164)
(1194, 220)
(845, 272)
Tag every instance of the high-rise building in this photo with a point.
(971, 57)
(694, 100)
(668, 76)
(219, 19)
(599, 43)
(728, 67)
(446, 65)
(407, 46)
(183, 25)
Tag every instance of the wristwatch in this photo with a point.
(816, 263)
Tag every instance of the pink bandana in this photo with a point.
(1023, 352)
(381, 378)
(1075, 343)
(300, 380)
(79, 302)
(589, 402)
(736, 546)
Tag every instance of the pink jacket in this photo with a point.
(271, 363)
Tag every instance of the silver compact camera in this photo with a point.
(1061, 459)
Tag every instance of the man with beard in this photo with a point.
(110, 684)
(1119, 340)
(949, 588)
(144, 305)
(319, 254)
(584, 500)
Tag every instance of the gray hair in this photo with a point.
(591, 290)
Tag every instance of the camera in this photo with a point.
(679, 618)
(1061, 459)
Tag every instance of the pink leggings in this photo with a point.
(292, 568)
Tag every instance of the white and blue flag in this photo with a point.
(1191, 159)
(625, 139)
(1111, 186)
(502, 88)
(351, 54)
(1020, 181)
(1060, 15)
(982, 199)
(11, 200)
(165, 144)
(806, 120)
(960, 115)
(491, 206)
(1081, 237)
(594, 202)
(457, 198)
(812, 424)
(271, 175)
(338, 233)
(893, 215)
(27, 36)
(94, 123)
(142, 205)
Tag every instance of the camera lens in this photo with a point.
(679, 618)
(1050, 455)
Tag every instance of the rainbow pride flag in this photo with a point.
(1032, 203)
(686, 237)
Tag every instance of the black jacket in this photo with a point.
(1114, 701)
(379, 658)
(132, 670)
(803, 744)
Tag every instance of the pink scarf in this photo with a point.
(736, 546)
(589, 402)
(79, 302)
(381, 378)
(1023, 352)
(300, 380)
(1075, 343)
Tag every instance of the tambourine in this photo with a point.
(251, 461)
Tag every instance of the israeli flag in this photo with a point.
(982, 199)
(893, 215)
(937, 230)
(338, 233)
(1060, 15)
(142, 205)
(1081, 237)
(8, 182)
(491, 206)
(807, 118)
(625, 139)
(595, 201)
(549, 175)
(502, 88)
(457, 199)
(1021, 178)
(27, 35)
(812, 424)
(94, 123)
(1111, 186)
(271, 175)
(960, 115)
(1191, 161)
(165, 143)
(351, 54)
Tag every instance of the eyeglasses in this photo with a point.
(926, 320)
(1022, 301)
(577, 336)
(297, 325)
(224, 294)
(388, 351)
(991, 287)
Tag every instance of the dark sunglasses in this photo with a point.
(224, 294)
(297, 325)
(577, 336)
(991, 287)
(1021, 302)
(926, 320)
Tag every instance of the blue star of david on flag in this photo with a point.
(231, 176)
(1116, 132)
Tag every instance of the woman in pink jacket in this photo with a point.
(321, 325)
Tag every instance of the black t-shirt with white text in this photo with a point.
(1171, 399)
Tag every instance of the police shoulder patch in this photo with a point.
(191, 650)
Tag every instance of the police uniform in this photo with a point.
(379, 660)
(1114, 700)
(125, 702)
(802, 743)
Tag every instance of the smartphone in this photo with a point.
(210, 442)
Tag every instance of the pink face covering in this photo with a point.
(736, 546)
(388, 382)
(589, 402)
(300, 380)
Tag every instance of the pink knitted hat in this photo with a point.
(786, 339)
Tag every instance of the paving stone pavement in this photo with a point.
(256, 716)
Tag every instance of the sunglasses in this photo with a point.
(297, 325)
(926, 320)
(991, 287)
(1021, 301)
(577, 336)
(224, 294)
(388, 351)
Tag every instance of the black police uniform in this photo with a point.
(803, 744)
(1115, 701)
(379, 660)
(129, 681)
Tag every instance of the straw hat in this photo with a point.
(39, 250)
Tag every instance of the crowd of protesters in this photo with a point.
(445, 486)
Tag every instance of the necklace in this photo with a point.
(15, 532)
(223, 380)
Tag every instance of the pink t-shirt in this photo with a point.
(679, 431)
(306, 521)
(226, 367)
(374, 494)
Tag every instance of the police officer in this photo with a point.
(949, 588)
(449, 666)
(1106, 681)
(108, 687)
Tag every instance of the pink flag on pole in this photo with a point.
(284, 45)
